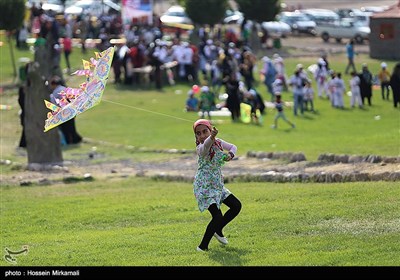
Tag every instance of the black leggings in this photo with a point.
(219, 221)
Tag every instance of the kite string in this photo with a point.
(148, 111)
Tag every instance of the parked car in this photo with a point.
(175, 14)
(232, 17)
(274, 28)
(277, 28)
(93, 7)
(354, 14)
(344, 29)
(374, 9)
(299, 22)
(49, 6)
(53, 5)
(321, 16)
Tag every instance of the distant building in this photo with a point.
(384, 39)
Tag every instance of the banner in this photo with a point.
(137, 11)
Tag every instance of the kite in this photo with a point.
(75, 101)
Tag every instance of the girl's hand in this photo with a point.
(214, 132)
(228, 156)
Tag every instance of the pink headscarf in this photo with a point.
(203, 122)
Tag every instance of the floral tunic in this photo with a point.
(209, 181)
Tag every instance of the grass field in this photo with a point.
(141, 222)
(153, 119)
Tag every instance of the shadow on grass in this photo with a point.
(304, 116)
(228, 256)
(288, 130)
(69, 147)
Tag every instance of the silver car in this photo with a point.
(175, 14)
(92, 7)
(277, 28)
(299, 22)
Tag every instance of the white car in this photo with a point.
(321, 16)
(232, 17)
(55, 6)
(344, 29)
(92, 7)
(277, 28)
(175, 14)
(299, 22)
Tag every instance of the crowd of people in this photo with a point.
(236, 72)
(221, 62)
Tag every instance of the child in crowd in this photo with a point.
(384, 79)
(279, 104)
(355, 90)
(340, 87)
(192, 103)
(332, 87)
(321, 78)
(308, 96)
(208, 185)
(207, 101)
(277, 85)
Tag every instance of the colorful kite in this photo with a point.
(77, 100)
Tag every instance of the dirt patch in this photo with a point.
(183, 168)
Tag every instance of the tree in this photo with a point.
(259, 10)
(12, 14)
(43, 148)
(206, 11)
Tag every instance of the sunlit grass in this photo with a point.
(141, 222)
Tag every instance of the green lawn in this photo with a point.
(132, 116)
(140, 222)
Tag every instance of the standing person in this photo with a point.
(277, 85)
(280, 70)
(332, 87)
(384, 78)
(279, 104)
(21, 102)
(308, 96)
(324, 58)
(216, 77)
(340, 90)
(395, 84)
(22, 37)
(116, 66)
(25, 83)
(350, 56)
(355, 90)
(321, 77)
(208, 185)
(269, 73)
(83, 27)
(233, 100)
(67, 45)
(366, 84)
(157, 60)
(297, 82)
(207, 102)
(246, 68)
